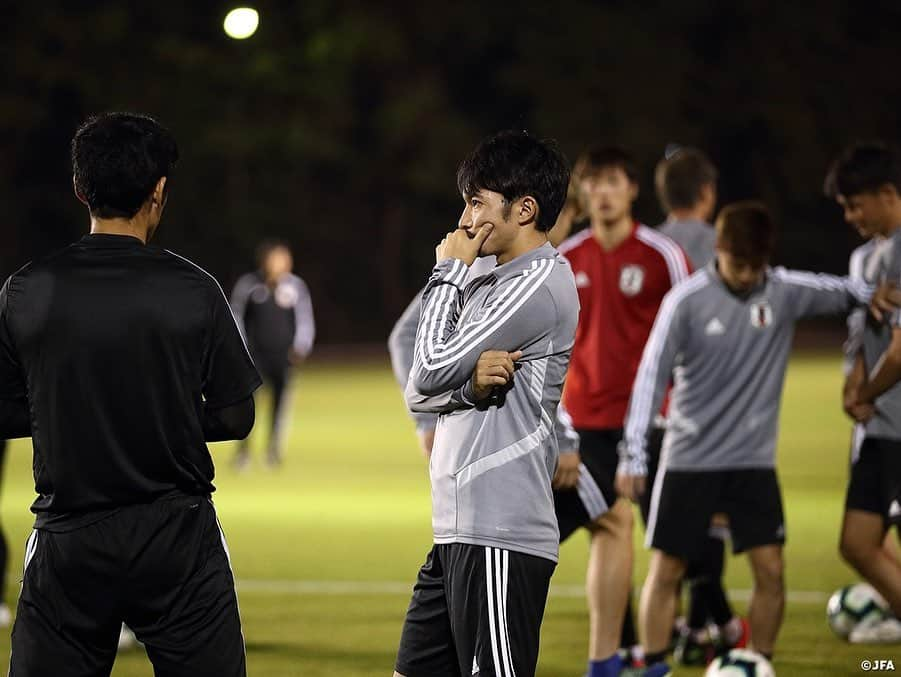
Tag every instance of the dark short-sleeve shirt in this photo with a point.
(117, 347)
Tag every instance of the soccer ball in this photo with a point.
(740, 663)
(852, 604)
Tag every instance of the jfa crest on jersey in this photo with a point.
(286, 295)
(761, 315)
(631, 279)
(620, 291)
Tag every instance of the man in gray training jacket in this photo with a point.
(866, 182)
(724, 337)
(402, 340)
(686, 188)
(491, 359)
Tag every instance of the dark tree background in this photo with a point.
(339, 125)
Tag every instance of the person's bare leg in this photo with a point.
(658, 601)
(768, 597)
(864, 546)
(608, 579)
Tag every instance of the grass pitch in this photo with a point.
(326, 549)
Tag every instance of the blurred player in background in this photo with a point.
(275, 313)
(403, 336)
(686, 188)
(491, 358)
(866, 182)
(622, 270)
(121, 361)
(723, 338)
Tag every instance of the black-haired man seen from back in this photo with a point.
(121, 361)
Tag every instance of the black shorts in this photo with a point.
(655, 444)
(596, 490)
(162, 568)
(875, 484)
(683, 503)
(475, 611)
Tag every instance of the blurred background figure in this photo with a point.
(686, 187)
(685, 180)
(273, 309)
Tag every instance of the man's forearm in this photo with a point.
(14, 419)
(886, 375)
(856, 376)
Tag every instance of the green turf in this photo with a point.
(352, 504)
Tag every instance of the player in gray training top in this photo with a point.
(686, 187)
(866, 182)
(273, 309)
(403, 336)
(723, 337)
(479, 598)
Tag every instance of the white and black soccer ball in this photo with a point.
(740, 663)
(853, 604)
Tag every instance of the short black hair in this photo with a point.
(680, 177)
(516, 164)
(118, 158)
(596, 158)
(863, 168)
(746, 230)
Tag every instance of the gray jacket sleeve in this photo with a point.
(857, 318)
(567, 437)
(424, 406)
(654, 372)
(894, 277)
(820, 294)
(239, 298)
(401, 344)
(517, 315)
(304, 321)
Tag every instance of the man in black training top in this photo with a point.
(121, 361)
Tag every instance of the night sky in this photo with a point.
(339, 125)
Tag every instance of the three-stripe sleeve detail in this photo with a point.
(590, 494)
(437, 353)
(856, 287)
(676, 263)
(640, 407)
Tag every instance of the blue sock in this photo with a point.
(609, 667)
(657, 670)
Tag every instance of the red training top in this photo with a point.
(620, 291)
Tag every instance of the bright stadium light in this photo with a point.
(241, 23)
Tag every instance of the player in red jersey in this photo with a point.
(622, 271)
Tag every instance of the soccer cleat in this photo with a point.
(739, 642)
(694, 648)
(877, 631)
(6, 616)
